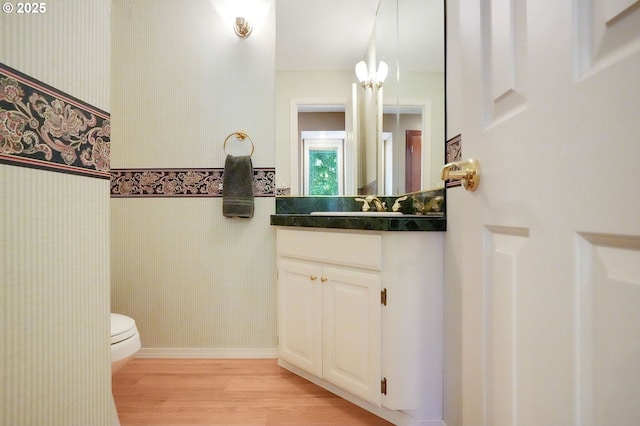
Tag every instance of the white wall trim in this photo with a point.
(207, 353)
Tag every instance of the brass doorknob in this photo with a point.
(466, 171)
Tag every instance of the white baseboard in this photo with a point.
(207, 353)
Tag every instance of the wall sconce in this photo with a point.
(367, 79)
(242, 27)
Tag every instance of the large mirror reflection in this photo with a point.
(336, 137)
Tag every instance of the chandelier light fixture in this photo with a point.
(374, 78)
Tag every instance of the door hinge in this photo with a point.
(383, 297)
(383, 386)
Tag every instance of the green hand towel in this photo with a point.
(237, 187)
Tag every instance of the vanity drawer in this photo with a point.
(349, 249)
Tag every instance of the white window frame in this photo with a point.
(329, 141)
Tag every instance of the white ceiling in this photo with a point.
(322, 34)
(333, 34)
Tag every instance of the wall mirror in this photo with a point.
(394, 136)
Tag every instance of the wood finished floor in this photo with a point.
(226, 392)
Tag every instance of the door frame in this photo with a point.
(297, 105)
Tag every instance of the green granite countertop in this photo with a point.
(406, 222)
(296, 211)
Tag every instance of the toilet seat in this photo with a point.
(125, 340)
(122, 328)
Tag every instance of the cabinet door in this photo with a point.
(351, 331)
(300, 315)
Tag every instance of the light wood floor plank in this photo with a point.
(255, 392)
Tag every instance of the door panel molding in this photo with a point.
(504, 42)
(503, 245)
(607, 348)
(606, 32)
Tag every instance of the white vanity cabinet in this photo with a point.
(336, 328)
(329, 309)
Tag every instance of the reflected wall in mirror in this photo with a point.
(410, 37)
(318, 44)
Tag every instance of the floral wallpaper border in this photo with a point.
(42, 127)
(130, 183)
(454, 153)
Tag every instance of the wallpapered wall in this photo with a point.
(54, 233)
(196, 283)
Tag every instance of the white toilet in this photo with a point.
(125, 340)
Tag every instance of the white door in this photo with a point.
(351, 331)
(300, 315)
(547, 250)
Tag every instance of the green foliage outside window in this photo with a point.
(323, 172)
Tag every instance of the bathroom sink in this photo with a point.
(358, 213)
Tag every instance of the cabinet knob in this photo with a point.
(313, 277)
(323, 279)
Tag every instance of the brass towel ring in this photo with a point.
(241, 135)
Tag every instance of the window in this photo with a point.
(323, 166)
